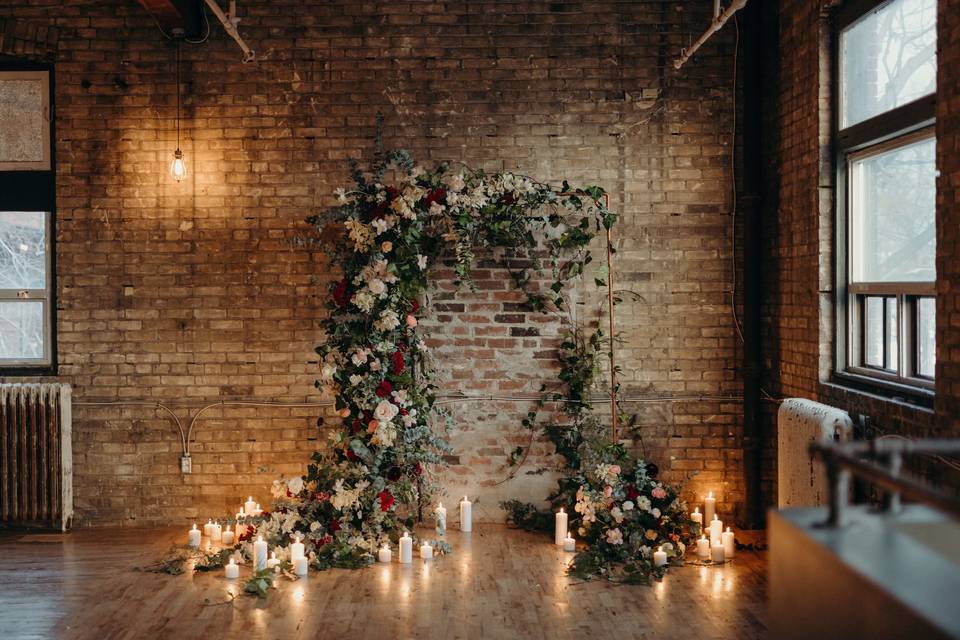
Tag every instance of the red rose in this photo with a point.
(385, 389)
(327, 539)
(508, 199)
(417, 469)
(356, 426)
(351, 456)
(321, 496)
(393, 474)
(435, 195)
(398, 363)
(340, 294)
(414, 306)
(334, 526)
(386, 500)
(246, 535)
(632, 493)
(403, 411)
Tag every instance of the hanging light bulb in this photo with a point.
(177, 168)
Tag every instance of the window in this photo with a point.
(27, 344)
(886, 67)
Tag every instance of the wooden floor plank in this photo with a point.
(499, 584)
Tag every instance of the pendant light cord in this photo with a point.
(178, 94)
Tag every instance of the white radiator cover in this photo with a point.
(801, 480)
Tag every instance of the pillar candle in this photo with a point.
(659, 557)
(703, 548)
(441, 514)
(697, 517)
(426, 551)
(232, 571)
(241, 528)
(559, 527)
(249, 506)
(216, 532)
(716, 553)
(406, 549)
(716, 528)
(257, 510)
(569, 544)
(193, 537)
(466, 515)
(729, 547)
(227, 536)
(709, 507)
(207, 528)
(259, 554)
(300, 566)
(272, 561)
(384, 554)
(296, 549)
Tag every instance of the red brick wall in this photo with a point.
(190, 293)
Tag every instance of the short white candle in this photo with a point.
(659, 557)
(216, 532)
(384, 554)
(300, 566)
(296, 549)
(441, 514)
(559, 527)
(232, 571)
(207, 528)
(697, 517)
(709, 507)
(259, 554)
(426, 551)
(193, 536)
(257, 510)
(466, 515)
(227, 536)
(249, 506)
(729, 547)
(716, 553)
(716, 528)
(703, 547)
(272, 561)
(406, 548)
(569, 544)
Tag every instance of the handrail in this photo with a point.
(843, 459)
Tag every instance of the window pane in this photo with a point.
(23, 258)
(21, 329)
(888, 59)
(891, 338)
(926, 336)
(873, 332)
(893, 203)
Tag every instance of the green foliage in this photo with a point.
(174, 563)
(214, 560)
(526, 516)
(259, 583)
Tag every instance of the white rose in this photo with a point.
(355, 380)
(314, 525)
(377, 287)
(385, 411)
(628, 505)
(295, 485)
(422, 262)
(327, 372)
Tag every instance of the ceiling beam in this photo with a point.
(176, 14)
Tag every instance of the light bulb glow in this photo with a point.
(177, 168)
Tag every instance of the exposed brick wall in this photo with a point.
(798, 311)
(195, 292)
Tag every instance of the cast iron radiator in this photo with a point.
(36, 469)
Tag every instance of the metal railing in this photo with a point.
(843, 460)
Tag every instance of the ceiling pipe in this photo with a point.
(719, 19)
(230, 22)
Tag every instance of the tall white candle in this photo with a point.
(406, 549)
(227, 536)
(241, 528)
(384, 554)
(207, 528)
(703, 547)
(697, 517)
(716, 528)
(559, 527)
(466, 515)
(300, 566)
(716, 553)
(231, 571)
(441, 514)
(216, 532)
(659, 557)
(249, 507)
(569, 544)
(426, 551)
(296, 549)
(259, 554)
(709, 507)
(193, 536)
(729, 546)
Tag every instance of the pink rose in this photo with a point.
(659, 493)
(608, 491)
(411, 321)
(372, 426)
(344, 413)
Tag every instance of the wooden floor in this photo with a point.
(499, 583)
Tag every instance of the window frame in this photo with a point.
(897, 127)
(35, 190)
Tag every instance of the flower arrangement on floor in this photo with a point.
(385, 236)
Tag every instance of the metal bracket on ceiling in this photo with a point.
(230, 21)
(719, 19)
